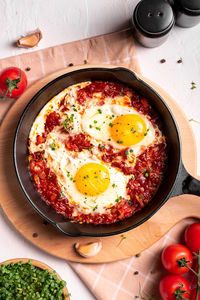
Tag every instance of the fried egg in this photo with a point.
(85, 181)
(118, 125)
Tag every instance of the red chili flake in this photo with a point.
(52, 120)
(78, 142)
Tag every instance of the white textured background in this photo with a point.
(63, 21)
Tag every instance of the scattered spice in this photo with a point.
(162, 61)
(30, 40)
(35, 235)
(85, 61)
(71, 65)
(45, 222)
(28, 69)
(136, 273)
(193, 85)
(138, 255)
(180, 61)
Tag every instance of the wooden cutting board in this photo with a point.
(45, 236)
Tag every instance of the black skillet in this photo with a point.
(176, 180)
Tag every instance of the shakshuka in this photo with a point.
(97, 153)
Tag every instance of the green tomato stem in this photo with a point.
(198, 277)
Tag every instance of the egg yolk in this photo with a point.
(128, 129)
(92, 179)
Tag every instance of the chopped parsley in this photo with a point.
(90, 126)
(133, 130)
(95, 121)
(120, 142)
(123, 237)
(74, 108)
(61, 195)
(98, 128)
(99, 111)
(146, 174)
(113, 185)
(118, 199)
(131, 150)
(146, 132)
(110, 124)
(95, 208)
(53, 146)
(90, 148)
(126, 152)
(26, 281)
(133, 177)
(121, 92)
(193, 120)
(67, 123)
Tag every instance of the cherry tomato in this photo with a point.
(192, 237)
(171, 254)
(173, 286)
(193, 295)
(13, 82)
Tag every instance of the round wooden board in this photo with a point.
(27, 221)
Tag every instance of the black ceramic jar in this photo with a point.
(152, 22)
(187, 12)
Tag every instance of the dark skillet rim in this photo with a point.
(34, 98)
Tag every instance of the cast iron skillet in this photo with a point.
(176, 180)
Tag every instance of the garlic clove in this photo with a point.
(30, 40)
(89, 249)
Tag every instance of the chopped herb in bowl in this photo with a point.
(30, 280)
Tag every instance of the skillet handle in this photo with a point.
(185, 184)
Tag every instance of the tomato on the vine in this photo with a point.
(174, 287)
(192, 237)
(13, 82)
(194, 295)
(172, 254)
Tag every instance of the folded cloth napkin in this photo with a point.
(116, 48)
(138, 276)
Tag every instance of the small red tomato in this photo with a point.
(174, 287)
(13, 82)
(194, 294)
(175, 252)
(192, 237)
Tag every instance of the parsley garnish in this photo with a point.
(95, 208)
(118, 199)
(99, 111)
(53, 146)
(67, 123)
(193, 120)
(123, 237)
(121, 92)
(110, 124)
